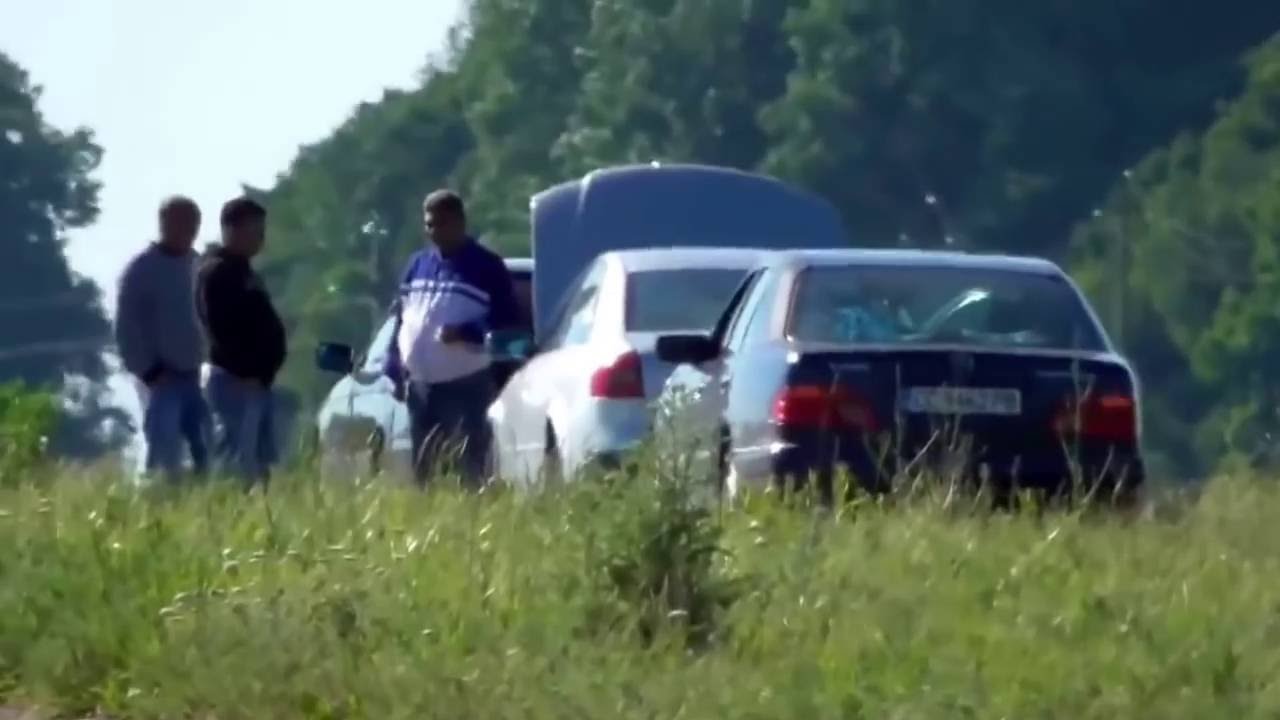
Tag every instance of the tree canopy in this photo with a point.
(1005, 126)
(1199, 221)
(52, 327)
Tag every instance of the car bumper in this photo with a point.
(797, 457)
(606, 433)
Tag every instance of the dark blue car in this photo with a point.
(885, 363)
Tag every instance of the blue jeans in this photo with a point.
(448, 419)
(245, 425)
(175, 413)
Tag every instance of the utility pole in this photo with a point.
(1121, 253)
(375, 234)
(1121, 289)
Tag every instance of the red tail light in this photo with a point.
(620, 381)
(819, 406)
(1108, 417)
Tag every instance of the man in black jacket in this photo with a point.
(246, 342)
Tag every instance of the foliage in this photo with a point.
(662, 554)
(26, 421)
(1200, 221)
(52, 324)
(324, 600)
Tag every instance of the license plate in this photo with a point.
(962, 401)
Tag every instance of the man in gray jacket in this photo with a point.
(161, 343)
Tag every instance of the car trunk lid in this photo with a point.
(999, 398)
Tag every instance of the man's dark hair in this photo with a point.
(445, 202)
(241, 210)
(175, 203)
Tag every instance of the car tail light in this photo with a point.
(621, 380)
(822, 406)
(1109, 417)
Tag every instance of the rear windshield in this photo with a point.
(684, 299)
(925, 305)
(522, 284)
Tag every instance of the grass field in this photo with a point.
(619, 601)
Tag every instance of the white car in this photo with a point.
(361, 426)
(586, 392)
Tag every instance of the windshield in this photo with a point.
(945, 305)
(522, 283)
(377, 352)
(682, 299)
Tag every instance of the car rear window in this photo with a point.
(680, 299)
(940, 305)
(522, 283)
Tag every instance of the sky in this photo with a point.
(198, 97)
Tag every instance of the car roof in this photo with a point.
(685, 204)
(916, 258)
(670, 258)
(519, 264)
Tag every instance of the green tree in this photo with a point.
(52, 327)
(996, 124)
(676, 80)
(26, 421)
(1200, 221)
(519, 67)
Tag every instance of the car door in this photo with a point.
(744, 390)
(694, 394)
(536, 397)
(363, 401)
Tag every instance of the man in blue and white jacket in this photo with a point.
(451, 295)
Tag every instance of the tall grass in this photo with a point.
(622, 599)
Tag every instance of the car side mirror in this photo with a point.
(686, 349)
(509, 345)
(335, 358)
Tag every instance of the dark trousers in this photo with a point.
(450, 428)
